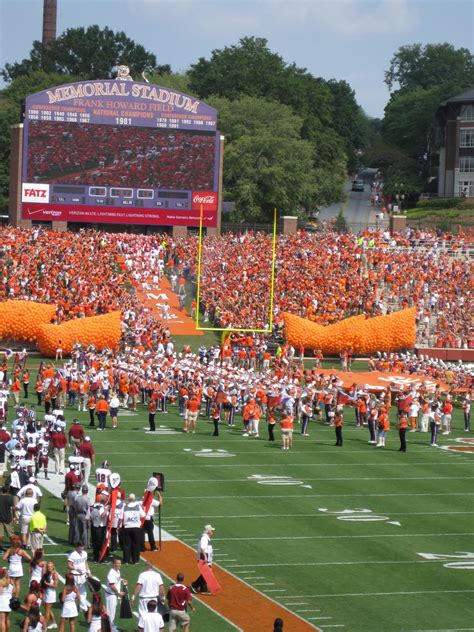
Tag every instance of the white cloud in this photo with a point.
(339, 16)
(350, 17)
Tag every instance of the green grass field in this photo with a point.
(279, 526)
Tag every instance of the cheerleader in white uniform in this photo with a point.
(95, 613)
(15, 555)
(6, 593)
(50, 583)
(69, 611)
(37, 566)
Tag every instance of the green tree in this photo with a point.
(267, 163)
(11, 100)
(251, 68)
(426, 76)
(418, 66)
(90, 53)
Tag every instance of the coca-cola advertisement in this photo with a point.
(206, 199)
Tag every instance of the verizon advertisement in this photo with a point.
(117, 215)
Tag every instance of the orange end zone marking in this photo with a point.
(238, 602)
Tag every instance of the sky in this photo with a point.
(352, 40)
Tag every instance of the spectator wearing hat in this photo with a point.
(133, 513)
(86, 450)
(205, 554)
(38, 526)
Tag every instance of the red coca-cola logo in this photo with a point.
(206, 199)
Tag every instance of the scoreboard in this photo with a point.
(120, 152)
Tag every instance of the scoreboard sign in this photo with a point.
(120, 152)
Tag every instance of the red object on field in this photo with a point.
(206, 571)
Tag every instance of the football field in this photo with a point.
(356, 538)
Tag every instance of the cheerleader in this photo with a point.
(37, 567)
(50, 584)
(15, 555)
(69, 596)
(6, 593)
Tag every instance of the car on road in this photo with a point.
(358, 185)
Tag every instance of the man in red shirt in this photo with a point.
(179, 597)
(59, 443)
(447, 413)
(75, 434)
(86, 450)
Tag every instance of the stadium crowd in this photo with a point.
(74, 153)
(324, 277)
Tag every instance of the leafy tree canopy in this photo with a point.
(267, 163)
(418, 66)
(91, 53)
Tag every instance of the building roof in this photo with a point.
(464, 97)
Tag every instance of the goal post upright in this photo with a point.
(272, 284)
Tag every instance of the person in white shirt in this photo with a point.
(114, 407)
(149, 587)
(79, 567)
(114, 590)
(133, 513)
(26, 509)
(151, 620)
(37, 493)
(205, 554)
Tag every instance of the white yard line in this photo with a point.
(385, 594)
(359, 563)
(308, 495)
(338, 537)
(317, 515)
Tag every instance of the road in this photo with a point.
(357, 210)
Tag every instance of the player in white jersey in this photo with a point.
(42, 457)
(102, 474)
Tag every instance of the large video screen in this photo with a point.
(120, 152)
(138, 157)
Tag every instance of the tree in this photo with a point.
(267, 164)
(10, 113)
(251, 68)
(426, 76)
(90, 53)
(419, 66)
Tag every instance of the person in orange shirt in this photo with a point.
(447, 412)
(383, 426)
(193, 405)
(39, 390)
(15, 391)
(402, 430)
(286, 425)
(102, 408)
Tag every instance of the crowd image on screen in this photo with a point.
(106, 155)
